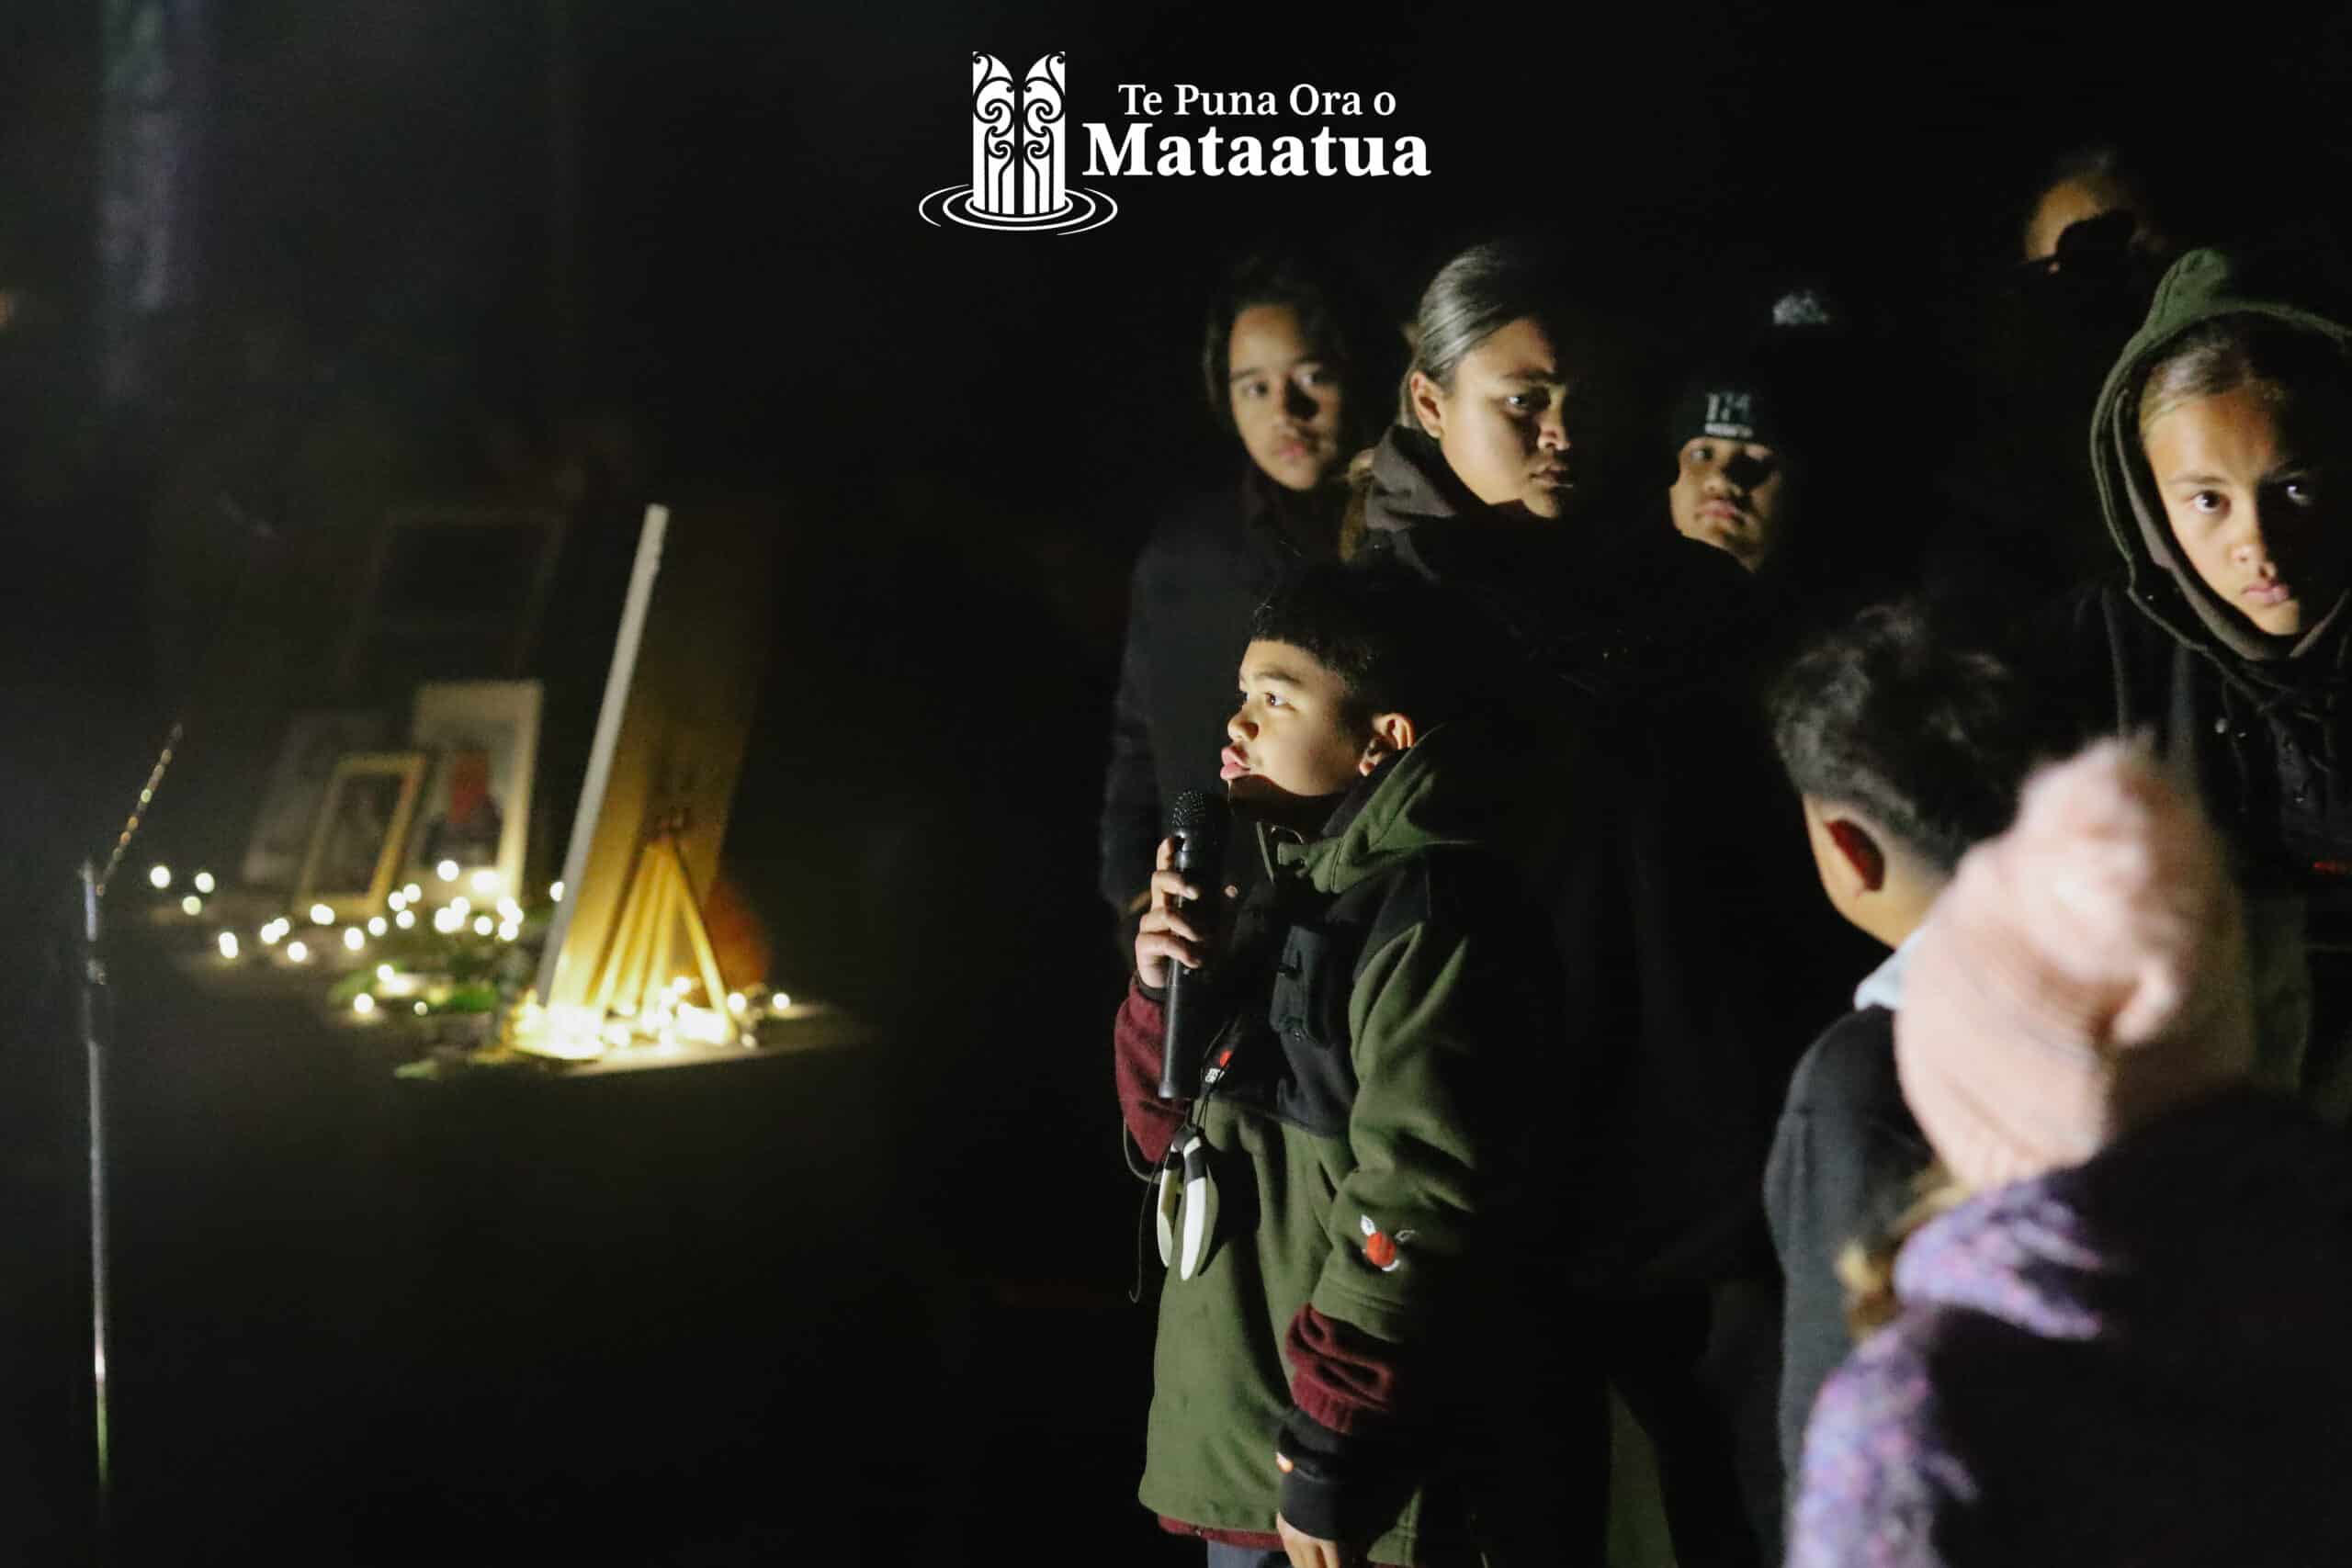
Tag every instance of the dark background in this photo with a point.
(631, 252)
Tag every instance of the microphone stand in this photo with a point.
(94, 1016)
(95, 1012)
(95, 1007)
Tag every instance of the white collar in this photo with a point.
(1883, 986)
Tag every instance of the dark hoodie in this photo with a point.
(2264, 719)
(1690, 985)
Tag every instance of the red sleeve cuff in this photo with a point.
(1135, 1039)
(1341, 1377)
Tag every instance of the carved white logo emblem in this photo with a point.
(1018, 147)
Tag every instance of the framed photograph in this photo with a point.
(483, 737)
(314, 743)
(452, 590)
(355, 848)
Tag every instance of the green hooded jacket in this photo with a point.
(2201, 286)
(2262, 716)
(1392, 991)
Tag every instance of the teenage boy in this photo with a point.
(1781, 462)
(1905, 749)
(1332, 1374)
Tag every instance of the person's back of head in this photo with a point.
(2087, 973)
(2095, 202)
(1908, 734)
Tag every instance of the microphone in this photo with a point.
(1197, 822)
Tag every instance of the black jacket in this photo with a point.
(2271, 759)
(1687, 909)
(1843, 1163)
(1203, 573)
(1621, 619)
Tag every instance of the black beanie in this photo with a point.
(1770, 392)
(1740, 400)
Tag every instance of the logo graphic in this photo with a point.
(1017, 158)
(1379, 1247)
(1731, 416)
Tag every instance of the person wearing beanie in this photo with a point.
(2114, 1336)
(1732, 488)
(1779, 464)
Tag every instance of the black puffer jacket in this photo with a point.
(1203, 573)
(1700, 959)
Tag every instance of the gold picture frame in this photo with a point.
(362, 831)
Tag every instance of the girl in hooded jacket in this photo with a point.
(2114, 1333)
(2219, 447)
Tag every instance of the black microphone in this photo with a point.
(1197, 822)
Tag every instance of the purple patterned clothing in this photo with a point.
(2145, 1361)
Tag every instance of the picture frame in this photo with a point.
(414, 612)
(483, 737)
(315, 742)
(363, 822)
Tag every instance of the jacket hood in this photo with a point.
(1411, 483)
(1469, 781)
(2283, 285)
(2214, 1240)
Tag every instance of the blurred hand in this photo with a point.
(1312, 1552)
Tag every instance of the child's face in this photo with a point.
(1730, 494)
(2246, 483)
(1285, 397)
(1504, 428)
(1296, 740)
